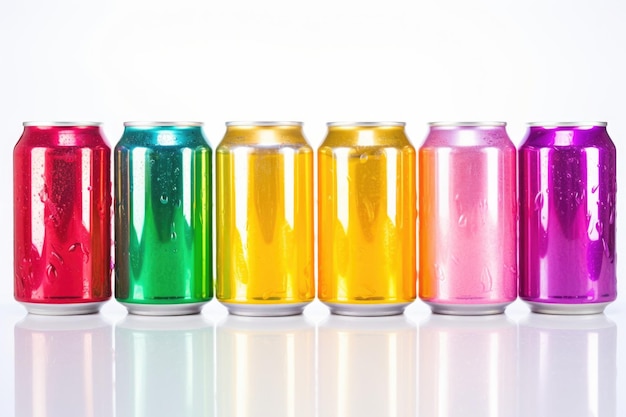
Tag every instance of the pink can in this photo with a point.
(467, 218)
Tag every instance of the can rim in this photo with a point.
(467, 124)
(60, 124)
(567, 124)
(162, 124)
(262, 123)
(365, 124)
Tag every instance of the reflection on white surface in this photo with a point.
(63, 367)
(367, 367)
(265, 367)
(467, 366)
(164, 367)
(568, 366)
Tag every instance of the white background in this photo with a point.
(313, 61)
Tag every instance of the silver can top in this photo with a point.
(566, 124)
(163, 124)
(62, 124)
(263, 123)
(467, 124)
(365, 124)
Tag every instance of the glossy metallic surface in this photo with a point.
(367, 214)
(163, 218)
(567, 215)
(62, 200)
(468, 218)
(264, 180)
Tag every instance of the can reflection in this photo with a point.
(568, 366)
(164, 366)
(63, 366)
(266, 367)
(467, 366)
(367, 367)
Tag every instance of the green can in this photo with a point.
(163, 218)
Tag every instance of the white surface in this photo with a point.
(316, 62)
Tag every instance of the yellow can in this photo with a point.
(367, 219)
(264, 215)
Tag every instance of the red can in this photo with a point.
(62, 220)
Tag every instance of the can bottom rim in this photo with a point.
(265, 310)
(164, 309)
(70, 309)
(367, 310)
(467, 309)
(567, 309)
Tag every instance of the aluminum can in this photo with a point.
(367, 215)
(468, 218)
(62, 220)
(568, 366)
(567, 218)
(163, 218)
(264, 182)
(468, 366)
(266, 367)
(63, 367)
(367, 367)
(164, 367)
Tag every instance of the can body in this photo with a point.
(62, 201)
(367, 214)
(264, 181)
(567, 218)
(163, 218)
(468, 218)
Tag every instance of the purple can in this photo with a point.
(567, 218)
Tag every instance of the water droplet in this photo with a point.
(152, 162)
(539, 201)
(89, 188)
(57, 257)
(164, 199)
(594, 188)
(178, 203)
(43, 194)
(462, 220)
(51, 271)
(363, 158)
(599, 227)
(173, 236)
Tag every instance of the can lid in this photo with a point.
(61, 124)
(262, 123)
(566, 124)
(365, 124)
(467, 124)
(163, 124)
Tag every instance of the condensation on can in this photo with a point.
(265, 252)
(163, 218)
(468, 218)
(62, 223)
(367, 219)
(567, 218)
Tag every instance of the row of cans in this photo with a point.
(368, 222)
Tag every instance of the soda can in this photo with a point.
(468, 218)
(569, 366)
(62, 219)
(367, 215)
(163, 218)
(63, 367)
(264, 181)
(567, 218)
(164, 367)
